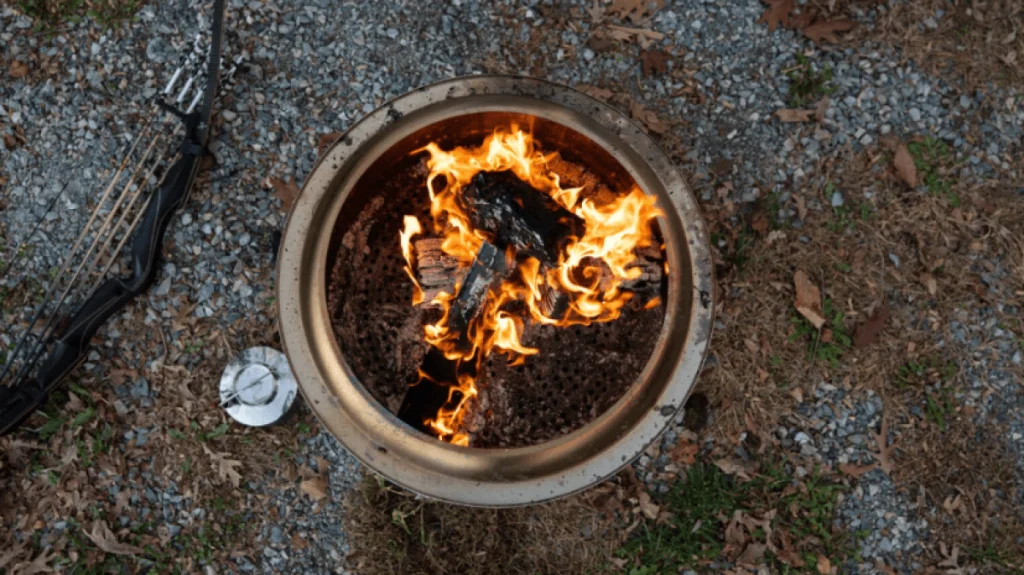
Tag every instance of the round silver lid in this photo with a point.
(257, 387)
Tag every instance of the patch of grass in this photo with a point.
(929, 155)
(818, 349)
(695, 532)
(702, 505)
(925, 370)
(940, 407)
(992, 554)
(807, 84)
(49, 15)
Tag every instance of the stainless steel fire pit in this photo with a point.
(456, 111)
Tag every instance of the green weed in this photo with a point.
(940, 408)
(807, 84)
(818, 350)
(929, 369)
(929, 156)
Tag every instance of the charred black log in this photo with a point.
(438, 373)
(513, 213)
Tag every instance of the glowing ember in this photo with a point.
(589, 271)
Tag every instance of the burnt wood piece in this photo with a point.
(513, 213)
(437, 272)
(438, 373)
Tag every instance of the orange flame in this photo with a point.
(589, 273)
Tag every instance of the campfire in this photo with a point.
(495, 290)
(509, 245)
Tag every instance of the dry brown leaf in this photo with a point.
(602, 94)
(928, 280)
(635, 11)
(867, 333)
(12, 553)
(741, 469)
(38, 565)
(822, 108)
(735, 536)
(315, 488)
(626, 33)
(824, 565)
(801, 207)
(883, 568)
(285, 191)
(905, 166)
(596, 11)
(10, 142)
(17, 69)
(753, 554)
(826, 30)
(685, 453)
(326, 141)
(952, 557)
(777, 12)
(883, 455)
(648, 508)
(298, 542)
(790, 116)
(107, 541)
(854, 470)
(225, 467)
(808, 299)
(600, 42)
(797, 393)
(653, 62)
(647, 117)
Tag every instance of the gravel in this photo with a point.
(316, 67)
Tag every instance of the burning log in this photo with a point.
(438, 374)
(438, 272)
(515, 214)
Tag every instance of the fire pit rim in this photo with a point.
(361, 432)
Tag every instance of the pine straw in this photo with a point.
(759, 372)
(981, 42)
(182, 359)
(393, 531)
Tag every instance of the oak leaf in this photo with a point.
(107, 541)
(905, 167)
(826, 30)
(648, 117)
(225, 467)
(867, 332)
(315, 487)
(808, 299)
(285, 191)
(653, 62)
(777, 12)
(854, 470)
(684, 453)
(883, 456)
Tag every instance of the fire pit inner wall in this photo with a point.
(464, 112)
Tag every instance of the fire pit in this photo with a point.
(495, 291)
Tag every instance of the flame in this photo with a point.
(589, 273)
(412, 228)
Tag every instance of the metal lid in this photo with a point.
(257, 387)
